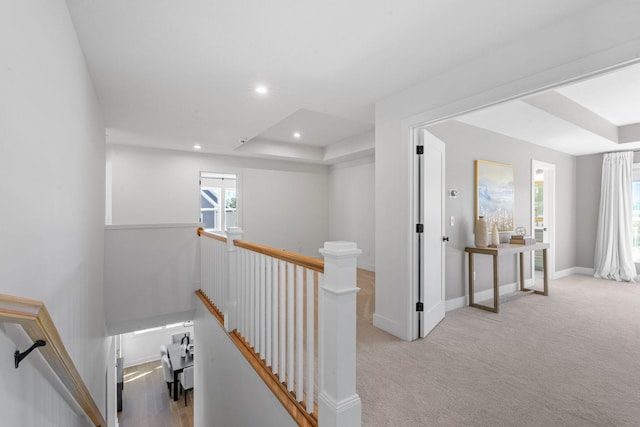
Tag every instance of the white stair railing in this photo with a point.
(291, 310)
(276, 311)
(214, 265)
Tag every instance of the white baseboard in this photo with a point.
(388, 325)
(459, 302)
(140, 360)
(452, 304)
(367, 266)
(582, 270)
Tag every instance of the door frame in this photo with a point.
(549, 190)
(411, 125)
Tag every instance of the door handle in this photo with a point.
(445, 239)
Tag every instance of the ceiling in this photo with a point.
(592, 116)
(172, 74)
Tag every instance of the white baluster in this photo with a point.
(290, 326)
(263, 306)
(275, 314)
(252, 298)
(203, 265)
(310, 338)
(247, 313)
(268, 316)
(241, 306)
(256, 307)
(218, 284)
(220, 271)
(299, 332)
(282, 280)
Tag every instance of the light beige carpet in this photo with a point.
(569, 359)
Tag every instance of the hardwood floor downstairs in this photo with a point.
(146, 401)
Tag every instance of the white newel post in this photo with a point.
(338, 403)
(231, 291)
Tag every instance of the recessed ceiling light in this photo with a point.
(297, 135)
(261, 89)
(197, 147)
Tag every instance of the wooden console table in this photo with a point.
(506, 249)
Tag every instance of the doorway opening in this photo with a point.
(543, 215)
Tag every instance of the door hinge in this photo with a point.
(419, 306)
(419, 149)
(419, 228)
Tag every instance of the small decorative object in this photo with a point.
(183, 346)
(495, 236)
(521, 237)
(481, 233)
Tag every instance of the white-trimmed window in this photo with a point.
(218, 201)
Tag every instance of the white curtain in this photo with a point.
(614, 257)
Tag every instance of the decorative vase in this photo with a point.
(481, 233)
(495, 236)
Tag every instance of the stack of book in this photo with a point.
(519, 239)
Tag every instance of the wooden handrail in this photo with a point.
(34, 318)
(292, 257)
(213, 309)
(201, 232)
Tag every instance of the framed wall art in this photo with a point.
(494, 194)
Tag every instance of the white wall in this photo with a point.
(52, 189)
(229, 392)
(151, 274)
(601, 37)
(460, 175)
(280, 204)
(286, 209)
(352, 194)
(589, 177)
(145, 347)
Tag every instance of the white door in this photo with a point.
(431, 282)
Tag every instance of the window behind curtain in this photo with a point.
(636, 212)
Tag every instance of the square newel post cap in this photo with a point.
(234, 230)
(340, 249)
(233, 234)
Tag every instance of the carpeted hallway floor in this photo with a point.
(569, 359)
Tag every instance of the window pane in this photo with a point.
(636, 220)
(205, 203)
(210, 208)
(230, 198)
(231, 218)
(209, 219)
(209, 197)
